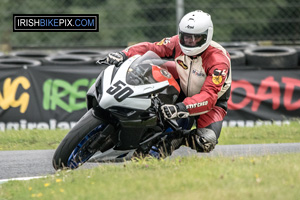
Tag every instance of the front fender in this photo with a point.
(91, 97)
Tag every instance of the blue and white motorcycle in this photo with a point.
(124, 119)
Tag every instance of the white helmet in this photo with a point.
(195, 32)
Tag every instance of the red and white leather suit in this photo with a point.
(205, 79)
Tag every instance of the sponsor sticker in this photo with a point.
(163, 41)
(184, 66)
(198, 73)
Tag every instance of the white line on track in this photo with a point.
(20, 179)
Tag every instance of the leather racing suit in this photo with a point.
(205, 80)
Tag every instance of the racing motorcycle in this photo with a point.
(124, 119)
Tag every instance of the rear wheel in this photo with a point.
(75, 149)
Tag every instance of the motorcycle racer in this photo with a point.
(203, 69)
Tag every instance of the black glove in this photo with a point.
(175, 111)
(116, 58)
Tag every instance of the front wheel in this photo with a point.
(74, 149)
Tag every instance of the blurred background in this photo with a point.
(122, 23)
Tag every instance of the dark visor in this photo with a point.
(192, 40)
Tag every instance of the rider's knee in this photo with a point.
(202, 140)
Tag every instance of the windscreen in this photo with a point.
(140, 71)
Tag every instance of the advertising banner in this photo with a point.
(263, 96)
(46, 97)
(50, 97)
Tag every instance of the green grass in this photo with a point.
(49, 139)
(261, 134)
(273, 177)
(31, 139)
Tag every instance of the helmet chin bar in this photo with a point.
(193, 51)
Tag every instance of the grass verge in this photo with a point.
(261, 134)
(273, 177)
(50, 139)
(31, 139)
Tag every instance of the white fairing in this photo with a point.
(133, 102)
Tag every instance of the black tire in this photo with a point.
(68, 60)
(83, 127)
(95, 55)
(83, 52)
(237, 46)
(272, 57)
(35, 55)
(237, 58)
(298, 54)
(19, 62)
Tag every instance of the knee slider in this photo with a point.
(206, 139)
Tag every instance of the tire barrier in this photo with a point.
(35, 55)
(82, 52)
(69, 60)
(237, 46)
(93, 54)
(298, 53)
(238, 58)
(243, 55)
(4, 56)
(271, 57)
(18, 62)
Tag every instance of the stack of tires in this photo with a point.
(33, 58)
(250, 56)
(272, 57)
(21, 59)
(237, 54)
(243, 55)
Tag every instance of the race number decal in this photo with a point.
(119, 91)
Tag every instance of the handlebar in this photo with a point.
(170, 123)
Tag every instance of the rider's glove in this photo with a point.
(116, 58)
(174, 111)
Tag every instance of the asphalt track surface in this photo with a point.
(31, 163)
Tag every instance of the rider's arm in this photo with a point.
(164, 49)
